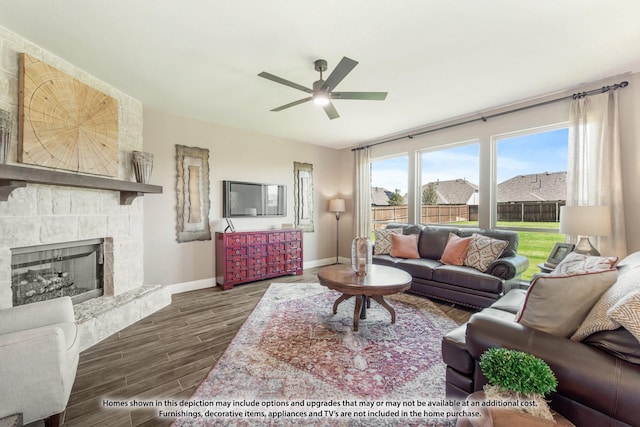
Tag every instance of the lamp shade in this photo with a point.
(336, 205)
(585, 220)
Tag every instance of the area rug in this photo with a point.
(294, 362)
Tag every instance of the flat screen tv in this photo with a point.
(251, 199)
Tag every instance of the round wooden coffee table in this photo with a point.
(380, 281)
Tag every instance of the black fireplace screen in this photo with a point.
(44, 272)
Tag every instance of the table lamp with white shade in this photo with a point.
(585, 221)
(337, 206)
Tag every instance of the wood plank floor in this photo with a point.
(168, 354)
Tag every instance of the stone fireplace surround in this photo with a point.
(40, 214)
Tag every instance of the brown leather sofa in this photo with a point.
(598, 378)
(458, 284)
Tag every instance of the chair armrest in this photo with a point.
(585, 374)
(37, 314)
(509, 267)
(36, 374)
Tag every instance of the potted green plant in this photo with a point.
(519, 378)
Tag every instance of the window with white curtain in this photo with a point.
(531, 185)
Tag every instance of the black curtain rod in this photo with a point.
(578, 95)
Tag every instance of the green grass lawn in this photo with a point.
(536, 246)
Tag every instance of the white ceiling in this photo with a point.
(438, 59)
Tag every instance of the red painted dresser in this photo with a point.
(246, 256)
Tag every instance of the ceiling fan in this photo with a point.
(322, 92)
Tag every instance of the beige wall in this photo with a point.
(537, 117)
(233, 155)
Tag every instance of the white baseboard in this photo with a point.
(178, 288)
(319, 263)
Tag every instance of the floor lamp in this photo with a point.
(337, 206)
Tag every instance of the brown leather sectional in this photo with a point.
(458, 284)
(598, 378)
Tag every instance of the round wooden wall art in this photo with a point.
(64, 123)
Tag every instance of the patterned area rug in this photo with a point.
(294, 362)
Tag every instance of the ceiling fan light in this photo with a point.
(321, 99)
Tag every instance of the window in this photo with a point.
(389, 181)
(449, 192)
(531, 185)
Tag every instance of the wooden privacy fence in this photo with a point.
(434, 214)
(442, 214)
(530, 211)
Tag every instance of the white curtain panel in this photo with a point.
(595, 176)
(362, 191)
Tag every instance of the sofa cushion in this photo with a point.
(383, 240)
(433, 240)
(511, 301)
(618, 342)
(559, 304)
(404, 246)
(469, 278)
(483, 251)
(420, 268)
(406, 228)
(580, 263)
(387, 260)
(456, 250)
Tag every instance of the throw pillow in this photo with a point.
(559, 304)
(597, 319)
(456, 250)
(580, 263)
(483, 251)
(383, 240)
(404, 246)
(627, 313)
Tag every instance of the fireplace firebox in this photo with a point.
(43, 272)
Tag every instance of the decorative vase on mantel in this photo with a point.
(5, 135)
(361, 254)
(142, 166)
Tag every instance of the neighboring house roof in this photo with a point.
(380, 196)
(537, 187)
(455, 192)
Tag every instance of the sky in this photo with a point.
(523, 155)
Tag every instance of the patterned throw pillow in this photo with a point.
(545, 307)
(627, 313)
(383, 240)
(580, 263)
(456, 250)
(483, 251)
(598, 320)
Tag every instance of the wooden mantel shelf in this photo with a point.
(13, 176)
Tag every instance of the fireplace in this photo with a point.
(43, 272)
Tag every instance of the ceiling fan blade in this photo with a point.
(292, 104)
(331, 111)
(343, 68)
(368, 96)
(282, 81)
